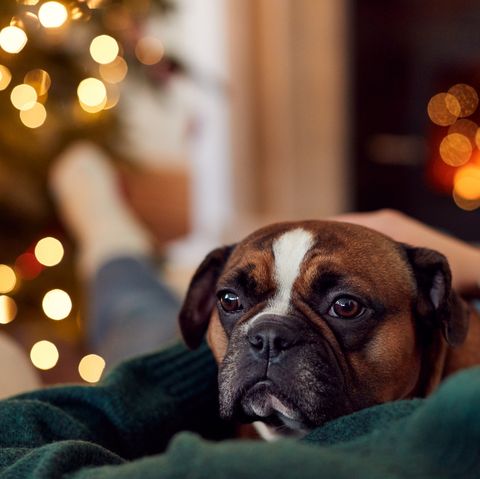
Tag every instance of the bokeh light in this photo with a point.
(467, 98)
(455, 149)
(113, 97)
(467, 205)
(443, 109)
(12, 39)
(91, 368)
(39, 79)
(8, 309)
(92, 92)
(5, 77)
(8, 279)
(23, 97)
(104, 49)
(49, 251)
(27, 266)
(44, 355)
(52, 14)
(149, 50)
(34, 117)
(57, 304)
(115, 71)
(467, 182)
(466, 128)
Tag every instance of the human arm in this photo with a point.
(464, 259)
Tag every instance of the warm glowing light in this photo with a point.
(5, 77)
(49, 251)
(467, 205)
(467, 182)
(467, 98)
(92, 92)
(113, 97)
(91, 368)
(57, 304)
(8, 279)
(95, 3)
(443, 109)
(44, 355)
(104, 49)
(455, 149)
(52, 14)
(466, 128)
(115, 71)
(149, 50)
(94, 109)
(27, 266)
(34, 117)
(28, 2)
(8, 309)
(12, 39)
(38, 79)
(23, 97)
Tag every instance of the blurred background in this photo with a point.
(220, 116)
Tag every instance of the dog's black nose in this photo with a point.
(269, 338)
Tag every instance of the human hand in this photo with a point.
(464, 259)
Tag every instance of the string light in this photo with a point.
(49, 251)
(149, 50)
(444, 109)
(27, 266)
(91, 368)
(39, 80)
(57, 304)
(8, 279)
(52, 14)
(34, 117)
(115, 71)
(13, 39)
(455, 149)
(467, 182)
(44, 355)
(113, 97)
(104, 49)
(92, 93)
(5, 77)
(466, 96)
(23, 97)
(8, 309)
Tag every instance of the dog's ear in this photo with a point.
(200, 298)
(437, 304)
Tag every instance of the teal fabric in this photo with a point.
(129, 426)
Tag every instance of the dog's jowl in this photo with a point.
(313, 320)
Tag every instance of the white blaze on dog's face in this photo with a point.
(309, 321)
(289, 252)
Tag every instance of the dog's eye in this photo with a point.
(230, 302)
(346, 308)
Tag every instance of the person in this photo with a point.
(131, 310)
(156, 415)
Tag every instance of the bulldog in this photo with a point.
(313, 320)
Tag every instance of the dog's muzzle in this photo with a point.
(269, 338)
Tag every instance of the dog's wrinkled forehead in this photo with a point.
(292, 256)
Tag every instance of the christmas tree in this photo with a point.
(61, 68)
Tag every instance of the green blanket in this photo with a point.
(129, 426)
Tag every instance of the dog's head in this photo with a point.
(313, 320)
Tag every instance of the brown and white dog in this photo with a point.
(313, 320)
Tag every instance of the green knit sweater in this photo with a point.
(128, 426)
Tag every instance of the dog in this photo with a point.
(313, 320)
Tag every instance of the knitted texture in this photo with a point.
(126, 427)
